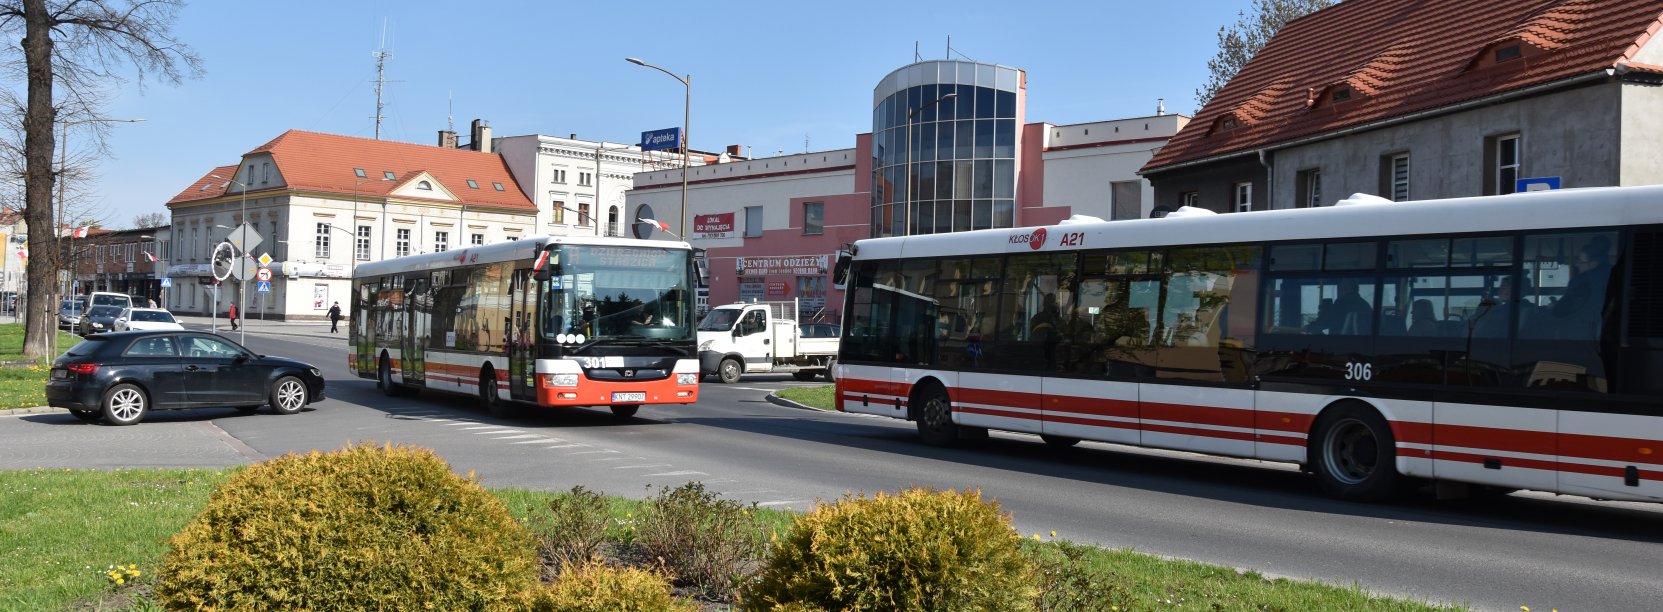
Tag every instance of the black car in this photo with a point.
(100, 319)
(121, 376)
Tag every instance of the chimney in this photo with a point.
(1160, 106)
(733, 150)
(573, 136)
(447, 139)
(481, 136)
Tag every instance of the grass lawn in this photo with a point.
(62, 531)
(819, 398)
(22, 386)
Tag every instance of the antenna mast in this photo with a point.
(381, 56)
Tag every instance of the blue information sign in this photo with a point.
(166, 282)
(263, 287)
(661, 140)
(1543, 183)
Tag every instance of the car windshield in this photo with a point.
(104, 311)
(719, 320)
(152, 315)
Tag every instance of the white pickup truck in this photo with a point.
(763, 337)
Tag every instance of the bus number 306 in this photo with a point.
(1356, 370)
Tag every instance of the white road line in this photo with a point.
(681, 473)
(541, 441)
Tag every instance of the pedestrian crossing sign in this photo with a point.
(166, 282)
(263, 287)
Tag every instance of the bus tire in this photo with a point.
(488, 398)
(730, 370)
(1354, 455)
(625, 411)
(934, 415)
(384, 377)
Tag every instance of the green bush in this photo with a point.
(573, 529)
(919, 550)
(707, 543)
(367, 527)
(593, 587)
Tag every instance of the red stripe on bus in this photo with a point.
(875, 387)
(1012, 399)
(1267, 420)
(1009, 414)
(1284, 440)
(1200, 415)
(1052, 418)
(1204, 433)
(1631, 450)
(1089, 405)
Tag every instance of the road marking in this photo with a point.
(542, 441)
(519, 437)
(681, 473)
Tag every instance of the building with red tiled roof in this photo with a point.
(1414, 99)
(320, 203)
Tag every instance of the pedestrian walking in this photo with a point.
(334, 318)
(233, 316)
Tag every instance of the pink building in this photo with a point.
(950, 150)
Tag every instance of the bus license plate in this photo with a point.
(632, 396)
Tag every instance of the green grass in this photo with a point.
(24, 386)
(819, 398)
(62, 530)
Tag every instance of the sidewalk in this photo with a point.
(310, 329)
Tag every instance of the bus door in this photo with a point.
(360, 330)
(413, 314)
(522, 339)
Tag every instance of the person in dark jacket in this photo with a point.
(335, 318)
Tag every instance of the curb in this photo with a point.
(33, 410)
(774, 398)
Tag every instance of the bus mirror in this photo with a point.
(544, 269)
(840, 272)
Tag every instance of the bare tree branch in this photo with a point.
(1240, 41)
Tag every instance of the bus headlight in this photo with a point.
(560, 380)
(687, 379)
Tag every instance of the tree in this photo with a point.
(148, 220)
(72, 51)
(1240, 41)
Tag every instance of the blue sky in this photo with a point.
(765, 74)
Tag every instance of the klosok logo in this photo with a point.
(1034, 240)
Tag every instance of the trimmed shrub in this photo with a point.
(706, 543)
(367, 527)
(594, 587)
(919, 550)
(573, 529)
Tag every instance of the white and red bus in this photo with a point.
(1508, 342)
(551, 321)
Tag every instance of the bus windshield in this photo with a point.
(619, 293)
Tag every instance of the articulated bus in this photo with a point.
(1475, 344)
(551, 321)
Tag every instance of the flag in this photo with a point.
(81, 232)
(148, 257)
(655, 223)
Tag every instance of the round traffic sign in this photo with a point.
(263, 274)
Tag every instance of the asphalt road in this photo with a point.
(1497, 554)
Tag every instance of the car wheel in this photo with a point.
(288, 396)
(626, 411)
(935, 418)
(85, 415)
(730, 370)
(831, 370)
(1354, 455)
(125, 404)
(488, 398)
(804, 376)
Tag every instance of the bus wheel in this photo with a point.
(625, 411)
(935, 418)
(488, 398)
(1058, 441)
(384, 378)
(730, 370)
(1354, 456)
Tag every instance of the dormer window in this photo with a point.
(1341, 93)
(424, 186)
(1229, 123)
(1508, 53)
(359, 172)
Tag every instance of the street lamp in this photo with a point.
(63, 161)
(907, 187)
(686, 116)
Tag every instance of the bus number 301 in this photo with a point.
(1358, 370)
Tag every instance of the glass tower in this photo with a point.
(939, 163)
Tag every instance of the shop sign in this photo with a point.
(713, 227)
(778, 289)
(801, 265)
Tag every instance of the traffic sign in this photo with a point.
(263, 287)
(1540, 183)
(264, 274)
(166, 282)
(244, 238)
(265, 261)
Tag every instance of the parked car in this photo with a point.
(69, 313)
(121, 376)
(148, 318)
(99, 319)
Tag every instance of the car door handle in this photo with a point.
(191, 368)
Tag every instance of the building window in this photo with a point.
(559, 176)
(559, 210)
(424, 186)
(361, 248)
(473, 184)
(477, 239)
(441, 242)
(1244, 197)
(583, 214)
(388, 174)
(401, 247)
(753, 221)
(1126, 200)
(498, 186)
(584, 179)
(1502, 164)
(359, 172)
(1395, 177)
(1189, 198)
(814, 218)
(1309, 189)
(320, 244)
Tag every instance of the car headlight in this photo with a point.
(705, 346)
(560, 380)
(687, 379)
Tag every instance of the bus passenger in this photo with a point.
(1577, 313)
(1422, 320)
(1351, 314)
(1492, 320)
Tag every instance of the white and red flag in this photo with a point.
(148, 257)
(656, 223)
(81, 232)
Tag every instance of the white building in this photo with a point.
(579, 186)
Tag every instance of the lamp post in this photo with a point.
(907, 186)
(686, 117)
(63, 161)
